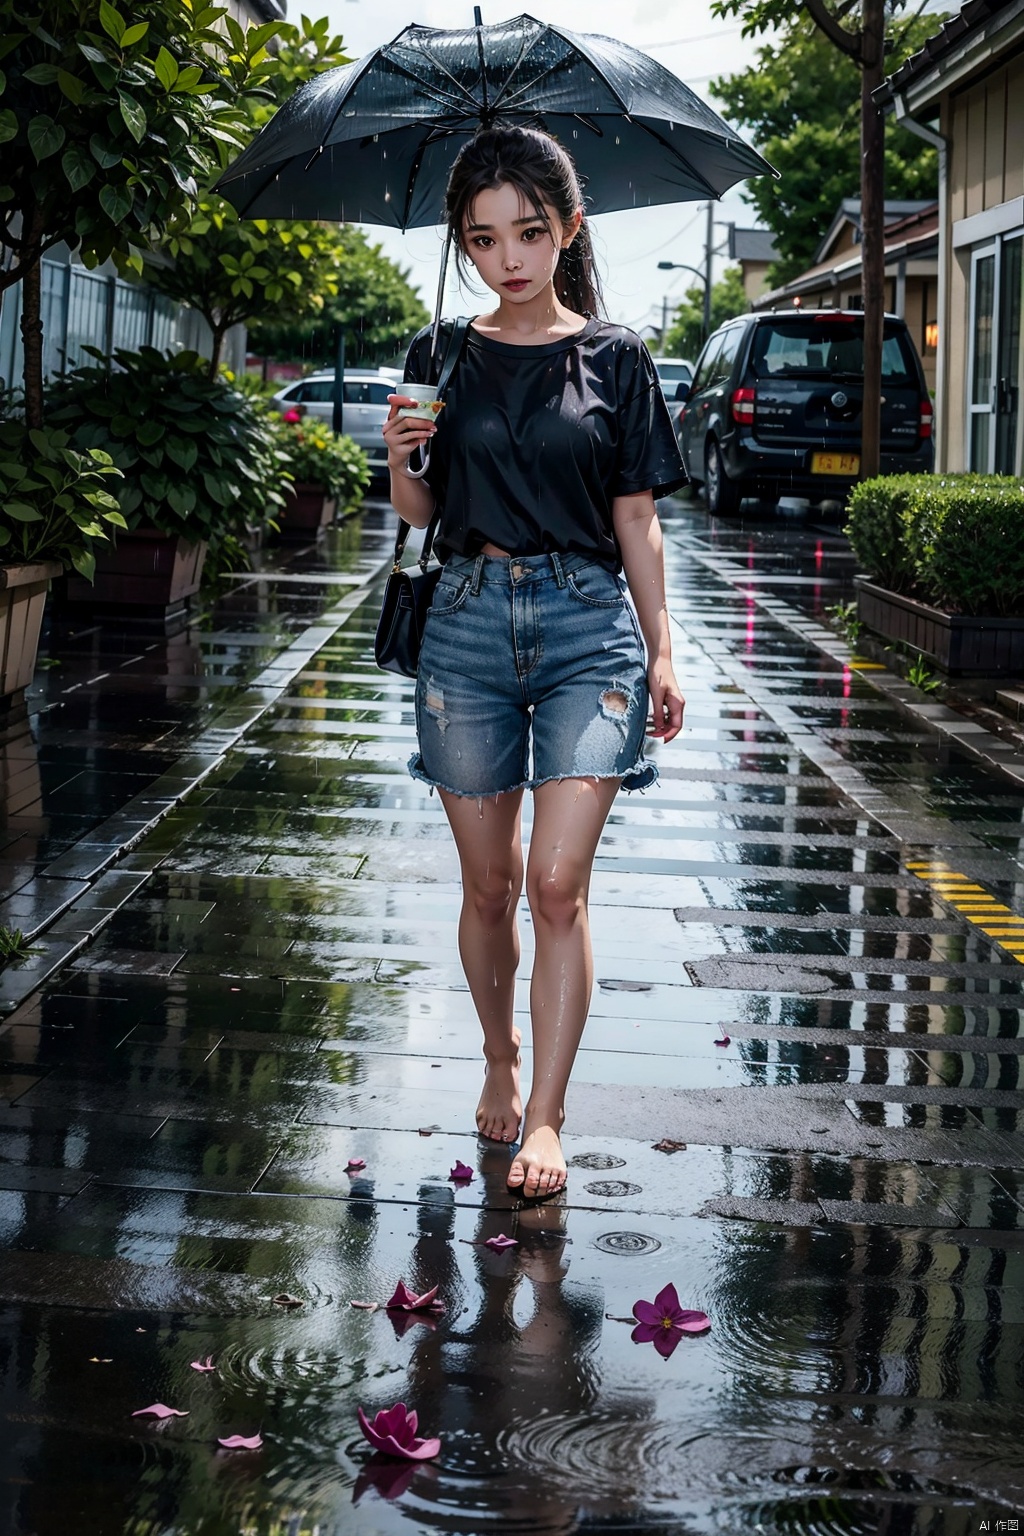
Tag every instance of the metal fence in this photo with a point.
(99, 309)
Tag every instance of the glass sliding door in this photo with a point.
(994, 365)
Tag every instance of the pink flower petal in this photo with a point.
(724, 1040)
(644, 1333)
(365, 1306)
(646, 1312)
(160, 1411)
(354, 1164)
(393, 1431)
(667, 1301)
(666, 1341)
(240, 1443)
(694, 1322)
(461, 1173)
(500, 1243)
(204, 1365)
(405, 1300)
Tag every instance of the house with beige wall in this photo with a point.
(964, 92)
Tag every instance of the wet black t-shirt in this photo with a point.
(535, 442)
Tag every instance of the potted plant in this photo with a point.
(56, 505)
(201, 465)
(944, 557)
(330, 472)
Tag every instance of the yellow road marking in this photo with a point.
(973, 903)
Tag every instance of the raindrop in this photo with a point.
(627, 1243)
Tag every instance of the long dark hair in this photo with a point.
(545, 177)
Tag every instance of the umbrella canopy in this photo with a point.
(374, 141)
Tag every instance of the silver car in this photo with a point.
(364, 411)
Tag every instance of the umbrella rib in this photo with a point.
(525, 49)
(689, 166)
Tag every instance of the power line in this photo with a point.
(703, 37)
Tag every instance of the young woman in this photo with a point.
(545, 463)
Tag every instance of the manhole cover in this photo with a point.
(626, 1242)
(597, 1161)
(613, 1187)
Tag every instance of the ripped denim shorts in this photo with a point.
(532, 669)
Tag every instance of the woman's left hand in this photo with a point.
(667, 702)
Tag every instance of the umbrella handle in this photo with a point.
(417, 474)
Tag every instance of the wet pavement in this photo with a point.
(266, 986)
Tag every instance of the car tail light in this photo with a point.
(743, 407)
(924, 426)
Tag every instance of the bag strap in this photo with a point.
(451, 357)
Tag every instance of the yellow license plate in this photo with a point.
(835, 464)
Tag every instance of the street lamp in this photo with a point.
(669, 266)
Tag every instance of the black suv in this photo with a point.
(774, 407)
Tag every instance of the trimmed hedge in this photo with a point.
(954, 541)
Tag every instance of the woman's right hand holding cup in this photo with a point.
(404, 433)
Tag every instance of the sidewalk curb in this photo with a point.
(78, 915)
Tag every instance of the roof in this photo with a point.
(958, 34)
(751, 244)
(895, 210)
(913, 238)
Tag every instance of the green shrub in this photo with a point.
(199, 459)
(55, 503)
(317, 456)
(876, 529)
(955, 541)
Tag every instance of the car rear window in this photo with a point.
(674, 371)
(833, 348)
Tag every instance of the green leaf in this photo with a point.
(150, 432)
(8, 125)
(182, 452)
(166, 69)
(72, 87)
(134, 117)
(84, 562)
(22, 512)
(78, 168)
(42, 74)
(134, 34)
(116, 203)
(94, 55)
(45, 136)
(182, 498)
(102, 154)
(111, 21)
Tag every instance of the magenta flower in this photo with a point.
(240, 1443)
(662, 1322)
(393, 1431)
(204, 1365)
(354, 1164)
(724, 1040)
(461, 1173)
(500, 1243)
(405, 1300)
(160, 1411)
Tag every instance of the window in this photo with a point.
(317, 391)
(829, 348)
(727, 356)
(705, 366)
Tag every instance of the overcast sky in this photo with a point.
(683, 36)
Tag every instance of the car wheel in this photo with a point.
(722, 495)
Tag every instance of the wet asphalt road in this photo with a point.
(838, 891)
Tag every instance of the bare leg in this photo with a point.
(568, 816)
(488, 837)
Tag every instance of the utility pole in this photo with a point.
(664, 319)
(872, 230)
(709, 241)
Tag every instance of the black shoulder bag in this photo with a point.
(408, 593)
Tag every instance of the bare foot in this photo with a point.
(538, 1168)
(500, 1109)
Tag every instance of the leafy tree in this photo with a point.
(232, 269)
(801, 103)
(685, 336)
(372, 301)
(109, 122)
(860, 30)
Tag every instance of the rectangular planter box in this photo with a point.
(23, 591)
(306, 510)
(955, 643)
(145, 575)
